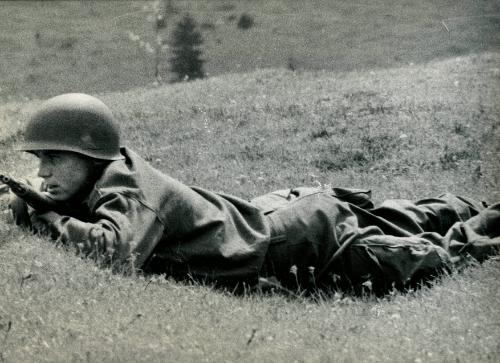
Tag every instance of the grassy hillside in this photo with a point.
(50, 47)
(410, 132)
(404, 132)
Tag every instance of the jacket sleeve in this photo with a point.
(122, 231)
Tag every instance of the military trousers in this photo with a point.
(319, 240)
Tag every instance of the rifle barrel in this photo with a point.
(17, 187)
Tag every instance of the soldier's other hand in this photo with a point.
(41, 222)
(19, 210)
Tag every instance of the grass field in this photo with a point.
(407, 132)
(398, 97)
(50, 47)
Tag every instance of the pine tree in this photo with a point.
(186, 62)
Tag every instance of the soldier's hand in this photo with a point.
(19, 210)
(41, 222)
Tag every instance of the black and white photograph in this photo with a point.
(250, 181)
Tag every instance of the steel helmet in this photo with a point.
(74, 122)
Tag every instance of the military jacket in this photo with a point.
(138, 215)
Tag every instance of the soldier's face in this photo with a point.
(65, 173)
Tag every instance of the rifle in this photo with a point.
(38, 200)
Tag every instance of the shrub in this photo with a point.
(246, 22)
(186, 61)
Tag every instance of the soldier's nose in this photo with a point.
(44, 171)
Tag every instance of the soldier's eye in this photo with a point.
(53, 157)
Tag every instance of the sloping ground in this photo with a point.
(422, 128)
(409, 132)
